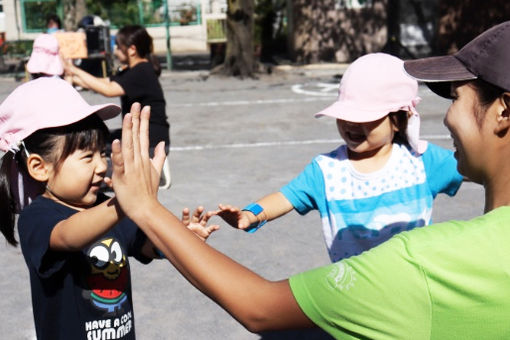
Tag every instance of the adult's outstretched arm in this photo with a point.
(255, 302)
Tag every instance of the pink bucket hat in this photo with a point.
(45, 57)
(373, 86)
(43, 103)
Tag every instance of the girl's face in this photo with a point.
(367, 138)
(466, 132)
(77, 181)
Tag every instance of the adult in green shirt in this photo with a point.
(447, 281)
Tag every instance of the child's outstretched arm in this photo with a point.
(273, 206)
(257, 303)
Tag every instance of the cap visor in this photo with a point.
(350, 113)
(438, 69)
(106, 111)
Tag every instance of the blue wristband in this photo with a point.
(255, 209)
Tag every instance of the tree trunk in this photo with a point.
(239, 56)
(74, 11)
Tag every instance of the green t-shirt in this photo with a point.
(445, 281)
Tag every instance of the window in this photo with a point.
(35, 12)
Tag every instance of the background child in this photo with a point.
(137, 81)
(381, 182)
(45, 60)
(74, 239)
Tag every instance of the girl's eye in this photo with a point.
(87, 156)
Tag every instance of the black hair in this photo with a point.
(486, 93)
(54, 145)
(55, 18)
(400, 119)
(137, 35)
(42, 75)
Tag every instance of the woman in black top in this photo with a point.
(137, 81)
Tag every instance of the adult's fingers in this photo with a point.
(159, 157)
(117, 160)
(144, 131)
(135, 119)
(127, 139)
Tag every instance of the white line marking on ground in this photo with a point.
(323, 89)
(251, 102)
(276, 143)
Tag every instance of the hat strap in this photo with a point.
(413, 128)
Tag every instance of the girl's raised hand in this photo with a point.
(233, 216)
(197, 222)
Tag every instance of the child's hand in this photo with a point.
(233, 216)
(198, 222)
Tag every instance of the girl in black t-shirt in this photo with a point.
(75, 240)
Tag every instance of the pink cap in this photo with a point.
(43, 103)
(45, 57)
(373, 86)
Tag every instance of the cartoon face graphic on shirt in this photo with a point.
(109, 273)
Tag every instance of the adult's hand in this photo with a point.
(135, 176)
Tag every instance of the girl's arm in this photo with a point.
(257, 303)
(103, 86)
(274, 205)
(86, 226)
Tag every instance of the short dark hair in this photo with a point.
(53, 17)
(400, 119)
(139, 37)
(486, 93)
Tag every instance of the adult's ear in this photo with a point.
(37, 167)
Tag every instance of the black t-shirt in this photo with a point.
(141, 85)
(84, 294)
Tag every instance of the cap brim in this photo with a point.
(339, 110)
(438, 72)
(106, 111)
(438, 69)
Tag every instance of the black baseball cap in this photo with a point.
(486, 57)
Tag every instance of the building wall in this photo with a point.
(184, 39)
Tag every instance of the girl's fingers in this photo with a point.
(185, 216)
(197, 214)
(206, 218)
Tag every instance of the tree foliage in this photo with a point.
(462, 20)
(323, 32)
